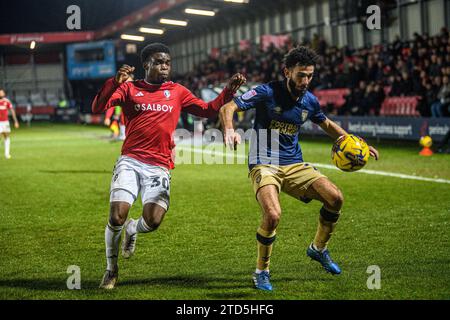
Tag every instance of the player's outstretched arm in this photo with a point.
(13, 114)
(200, 108)
(332, 129)
(335, 131)
(108, 115)
(226, 114)
(110, 95)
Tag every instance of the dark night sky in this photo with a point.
(24, 16)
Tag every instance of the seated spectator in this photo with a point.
(395, 82)
(429, 96)
(439, 108)
(354, 102)
(434, 69)
(376, 98)
(406, 86)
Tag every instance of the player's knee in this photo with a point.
(116, 219)
(153, 215)
(273, 217)
(153, 223)
(336, 201)
(118, 215)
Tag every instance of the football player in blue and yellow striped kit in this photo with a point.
(275, 157)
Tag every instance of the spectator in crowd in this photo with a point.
(440, 106)
(406, 85)
(395, 81)
(435, 69)
(429, 96)
(355, 101)
(375, 100)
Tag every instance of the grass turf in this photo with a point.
(54, 206)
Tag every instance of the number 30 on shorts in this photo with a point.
(156, 182)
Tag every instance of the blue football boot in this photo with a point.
(262, 281)
(324, 259)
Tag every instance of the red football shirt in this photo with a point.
(151, 115)
(5, 105)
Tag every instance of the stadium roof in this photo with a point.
(108, 19)
(26, 16)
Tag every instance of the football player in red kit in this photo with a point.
(5, 129)
(151, 108)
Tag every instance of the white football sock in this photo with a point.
(112, 239)
(317, 249)
(122, 131)
(138, 226)
(131, 227)
(142, 227)
(7, 145)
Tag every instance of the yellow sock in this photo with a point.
(325, 228)
(264, 241)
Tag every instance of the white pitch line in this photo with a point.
(328, 166)
(387, 174)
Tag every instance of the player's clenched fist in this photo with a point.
(124, 73)
(236, 81)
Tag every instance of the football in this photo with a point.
(426, 141)
(350, 153)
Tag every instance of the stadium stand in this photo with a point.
(394, 75)
(400, 106)
(336, 97)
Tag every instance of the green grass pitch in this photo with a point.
(54, 206)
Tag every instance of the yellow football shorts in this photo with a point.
(293, 179)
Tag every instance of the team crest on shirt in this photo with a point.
(167, 94)
(304, 115)
(278, 110)
(249, 94)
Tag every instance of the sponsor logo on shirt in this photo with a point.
(153, 107)
(284, 127)
(139, 94)
(249, 94)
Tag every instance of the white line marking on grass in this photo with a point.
(328, 166)
(387, 174)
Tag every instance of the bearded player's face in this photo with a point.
(299, 78)
(158, 67)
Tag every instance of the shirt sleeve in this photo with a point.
(109, 113)
(252, 97)
(318, 116)
(196, 106)
(9, 105)
(111, 94)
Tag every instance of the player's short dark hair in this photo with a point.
(153, 48)
(300, 56)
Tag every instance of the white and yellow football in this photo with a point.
(426, 141)
(350, 153)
